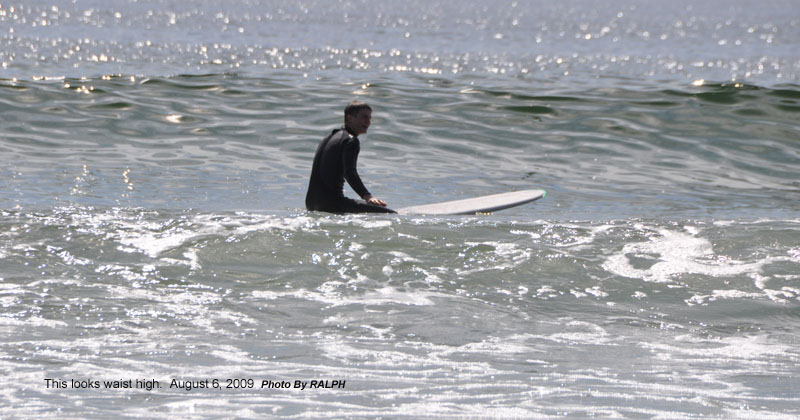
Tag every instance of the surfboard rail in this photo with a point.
(483, 204)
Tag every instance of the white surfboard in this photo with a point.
(484, 204)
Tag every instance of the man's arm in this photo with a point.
(350, 157)
(350, 160)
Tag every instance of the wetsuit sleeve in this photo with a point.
(350, 158)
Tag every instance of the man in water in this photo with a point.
(335, 162)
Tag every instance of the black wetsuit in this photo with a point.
(334, 162)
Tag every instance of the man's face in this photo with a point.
(359, 123)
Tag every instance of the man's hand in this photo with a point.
(375, 201)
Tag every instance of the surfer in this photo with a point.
(335, 162)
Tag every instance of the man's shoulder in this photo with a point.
(341, 136)
(337, 133)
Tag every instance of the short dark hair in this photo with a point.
(353, 108)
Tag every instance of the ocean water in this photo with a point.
(156, 260)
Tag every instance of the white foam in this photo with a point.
(136, 234)
(32, 321)
(749, 350)
(546, 292)
(369, 223)
(721, 294)
(596, 292)
(330, 294)
(678, 253)
(501, 256)
(580, 332)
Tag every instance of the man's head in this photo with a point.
(357, 117)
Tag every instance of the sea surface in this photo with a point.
(157, 262)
